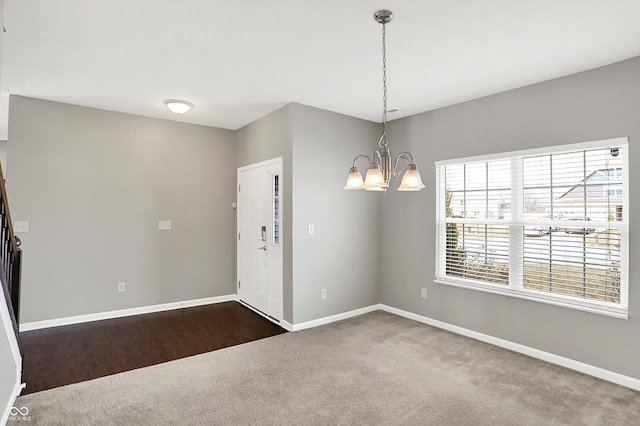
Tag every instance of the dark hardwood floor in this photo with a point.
(74, 353)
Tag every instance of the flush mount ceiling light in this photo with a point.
(177, 106)
(380, 171)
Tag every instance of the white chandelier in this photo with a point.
(380, 172)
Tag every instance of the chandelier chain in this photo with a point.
(383, 140)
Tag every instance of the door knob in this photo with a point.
(263, 248)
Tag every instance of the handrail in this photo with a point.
(10, 260)
(5, 206)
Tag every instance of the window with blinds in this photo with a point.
(548, 225)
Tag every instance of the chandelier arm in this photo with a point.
(402, 155)
(360, 156)
(377, 160)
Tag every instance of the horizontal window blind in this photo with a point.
(551, 224)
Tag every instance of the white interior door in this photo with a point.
(260, 237)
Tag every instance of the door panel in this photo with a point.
(259, 251)
(253, 198)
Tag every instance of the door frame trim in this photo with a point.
(270, 162)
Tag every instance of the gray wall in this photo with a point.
(597, 104)
(93, 185)
(264, 139)
(317, 148)
(342, 254)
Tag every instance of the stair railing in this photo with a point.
(10, 260)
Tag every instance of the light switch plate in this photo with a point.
(164, 225)
(20, 226)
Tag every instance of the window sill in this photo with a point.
(601, 308)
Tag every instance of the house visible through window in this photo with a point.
(548, 225)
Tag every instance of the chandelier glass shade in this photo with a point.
(380, 165)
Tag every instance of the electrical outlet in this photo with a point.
(323, 293)
(423, 293)
(20, 226)
(311, 229)
(164, 225)
(122, 287)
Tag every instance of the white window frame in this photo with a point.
(516, 237)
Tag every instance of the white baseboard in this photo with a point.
(314, 323)
(16, 393)
(36, 325)
(334, 318)
(591, 370)
(11, 387)
(286, 325)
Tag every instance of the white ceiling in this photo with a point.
(238, 60)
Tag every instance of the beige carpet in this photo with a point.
(376, 369)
